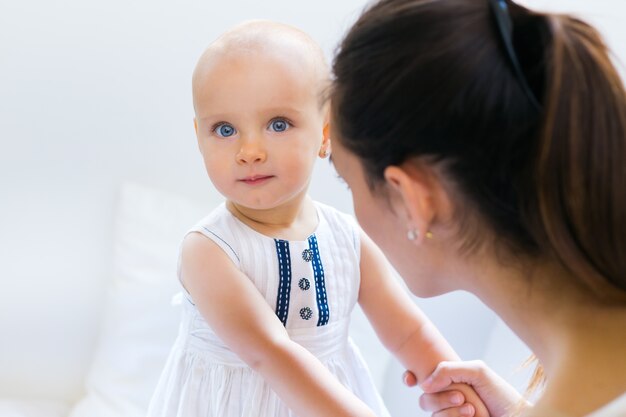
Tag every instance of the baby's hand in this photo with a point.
(455, 400)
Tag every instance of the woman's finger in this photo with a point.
(466, 410)
(441, 400)
(447, 373)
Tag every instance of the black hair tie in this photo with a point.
(500, 11)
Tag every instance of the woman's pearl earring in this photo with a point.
(413, 234)
(324, 153)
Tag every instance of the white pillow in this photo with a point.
(140, 323)
(23, 408)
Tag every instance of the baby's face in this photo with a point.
(259, 126)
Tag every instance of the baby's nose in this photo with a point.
(251, 151)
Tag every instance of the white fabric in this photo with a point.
(139, 323)
(204, 378)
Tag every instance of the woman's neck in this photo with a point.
(579, 340)
(592, 369)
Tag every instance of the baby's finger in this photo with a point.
(409, 378)
(441, 401)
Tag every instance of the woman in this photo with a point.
(485, 147)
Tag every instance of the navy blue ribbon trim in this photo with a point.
(284, 286)
(320, 285)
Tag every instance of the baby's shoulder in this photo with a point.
(337, 218)
(219, 226)
(215, 217)
(343, 227)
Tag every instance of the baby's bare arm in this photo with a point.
(402, 327)
(240, 316)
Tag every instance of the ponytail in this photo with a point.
(548, 180)
(581, 161)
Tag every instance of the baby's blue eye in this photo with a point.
(279, 125)
(224, 130)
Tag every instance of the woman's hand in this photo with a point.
(498, 396)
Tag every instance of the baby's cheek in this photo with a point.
(216, 162)
(298, 169)
(219, 174)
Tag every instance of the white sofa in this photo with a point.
(125, 340)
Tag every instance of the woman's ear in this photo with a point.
(415, 197)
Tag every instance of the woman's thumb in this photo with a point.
(448, 373)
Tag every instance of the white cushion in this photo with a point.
(140, 323)
(23, 408)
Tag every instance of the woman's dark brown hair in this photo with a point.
(431, 78)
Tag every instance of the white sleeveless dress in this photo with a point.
(312, 285)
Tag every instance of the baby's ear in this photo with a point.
(327, 114)
(325, 148)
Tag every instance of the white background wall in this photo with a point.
(95, 93)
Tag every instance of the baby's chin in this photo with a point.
(249, 202)
(268, 200)
(255, 204)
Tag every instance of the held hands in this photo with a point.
(466, 389)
